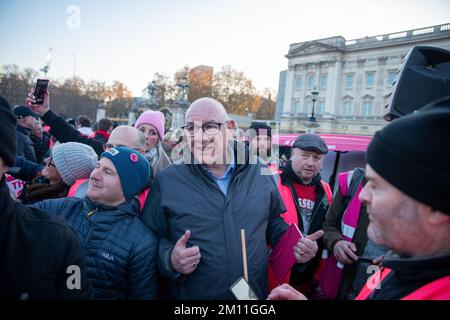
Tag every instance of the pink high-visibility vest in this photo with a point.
(330, 271)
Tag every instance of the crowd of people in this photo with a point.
(135, 212)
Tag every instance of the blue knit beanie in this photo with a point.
(133, 169)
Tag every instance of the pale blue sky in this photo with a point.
(131, 40)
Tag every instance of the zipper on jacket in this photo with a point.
(297, 207)
(321, 203)
(314, 214)
(231, 186)
(91, 213)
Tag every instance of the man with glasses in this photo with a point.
(198, 207)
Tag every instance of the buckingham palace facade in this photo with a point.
(351, 79)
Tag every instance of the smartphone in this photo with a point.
(40, 90)
(242, 290)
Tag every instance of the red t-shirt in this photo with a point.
(306, 199)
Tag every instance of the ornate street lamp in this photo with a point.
(181, 104)
(312, 123)
(184, 89)
(151, 89)
(314, 95)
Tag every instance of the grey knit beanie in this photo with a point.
(74, 161)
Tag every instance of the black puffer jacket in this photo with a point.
(36, 251)
(120, 250)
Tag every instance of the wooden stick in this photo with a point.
(244, 254)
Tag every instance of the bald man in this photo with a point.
(122, 136)
(198, 207)
(127, 136)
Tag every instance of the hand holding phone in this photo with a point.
(40, 90)
(39, 100)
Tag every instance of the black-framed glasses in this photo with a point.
(210, 128)
(50, 162)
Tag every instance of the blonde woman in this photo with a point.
(151, 124)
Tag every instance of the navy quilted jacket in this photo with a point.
(120, 250)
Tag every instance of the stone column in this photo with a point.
(380, 86)
(178, 114)
(100, 112)
(335, 90)
(289, 89)
(132, 117)
(286, 119)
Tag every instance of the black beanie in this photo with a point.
(413, 154)
(8, 140)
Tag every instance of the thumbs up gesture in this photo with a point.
(185, 260)
(306, 248)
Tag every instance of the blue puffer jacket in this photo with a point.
(120, 251)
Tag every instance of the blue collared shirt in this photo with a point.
(224, 181)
